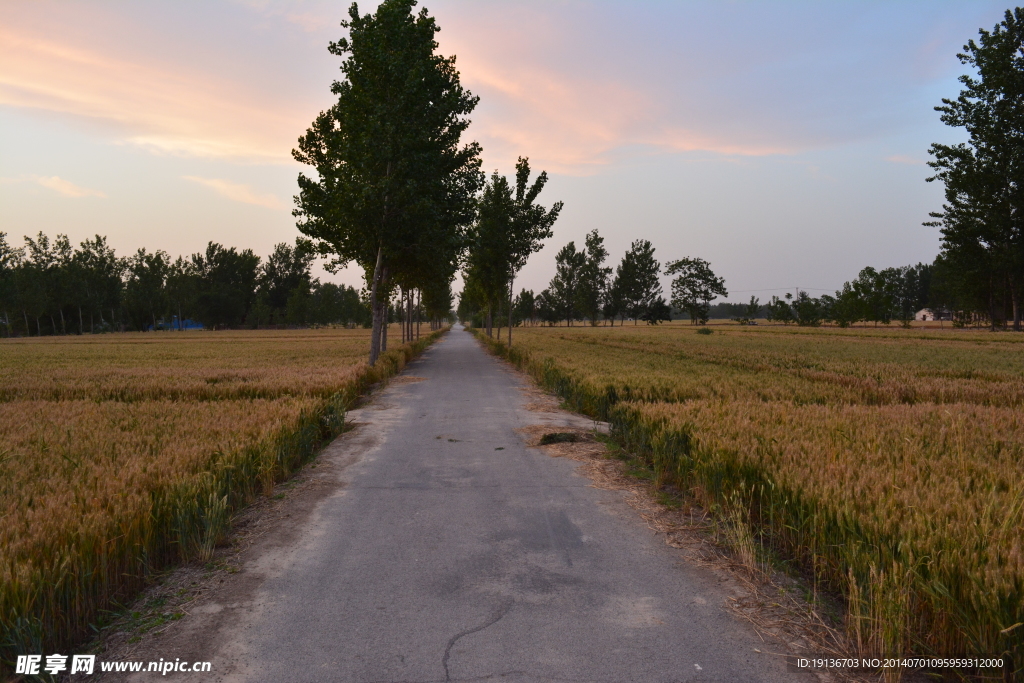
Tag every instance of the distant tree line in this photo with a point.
(51, 287)
(585, 290)
(876, 296)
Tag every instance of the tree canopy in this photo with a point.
(694, 286)
(395, 187)
(982, 219)
(510, 226)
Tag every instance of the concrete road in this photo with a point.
(455, 553)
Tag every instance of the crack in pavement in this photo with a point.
(498, 615)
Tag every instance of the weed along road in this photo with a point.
(440, 547)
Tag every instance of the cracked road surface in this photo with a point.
(437, 557)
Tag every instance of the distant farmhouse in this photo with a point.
(926, 314)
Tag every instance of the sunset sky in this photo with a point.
(782, 141)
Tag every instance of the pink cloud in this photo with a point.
(57, 184)
(904, 159)
(570, 115)
(238, 192)
(67, 188)
(156, 106)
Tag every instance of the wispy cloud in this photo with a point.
(161, 108)
(904, 159)
(578, 86)
(238, 192)
(57, 184)
(66, 187)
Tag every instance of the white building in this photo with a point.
(926, 314)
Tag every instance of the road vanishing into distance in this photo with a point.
(437, 546)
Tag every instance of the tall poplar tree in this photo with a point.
(593, 277)
(565, 285)
(395, 187)
(510, 227)
(636, 279)
(982, 219)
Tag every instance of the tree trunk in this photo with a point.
(81, 325)
(498, 316)
(489, 328)
(375, 311)
(63, 326)
(992, 307)
(1016, 309)
(180, 326)
(510, 290)
(385, 314)
(419, 301)
(39, 330)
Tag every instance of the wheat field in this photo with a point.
(122, 453)
(889, 462)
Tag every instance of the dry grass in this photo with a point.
(122, 453)
(889, 464)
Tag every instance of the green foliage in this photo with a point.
(779, 310)
(227, 282)
(394, 189)
(145, 292)
(753, 308)
(808, 311)
(636, 284)
(565, 286)
(49, 287)
(658, 311)
(285, 271)
(593, 278)
(525, 307)
(981, 224)
(510, 226)
(694, 287)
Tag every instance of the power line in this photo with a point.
(780, 289)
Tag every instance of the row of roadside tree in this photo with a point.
(585, 289)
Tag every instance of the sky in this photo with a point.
(782, 141)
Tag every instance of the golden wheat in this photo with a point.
(121, 453)
(891, 462)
